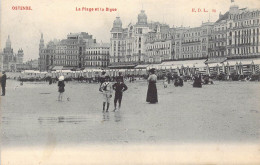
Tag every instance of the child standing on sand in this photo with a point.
(61, 88)
(106, 89)
(119, 88)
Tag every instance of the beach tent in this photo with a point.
(227, 70)
(222, 68)
(178, 71)
(218, 69)
(240, 67)
(207, 70)
(253, 67)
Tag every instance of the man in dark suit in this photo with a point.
(3, 83)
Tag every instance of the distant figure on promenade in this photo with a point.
(119, 88)
(169, 76)
(197, 81)
(50, 80)
(3, 83)
(106, 89)
(61, 86)
(120, 77)
(165, 82)
(102, 78)
(152, 90)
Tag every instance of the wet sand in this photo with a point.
(224, 113)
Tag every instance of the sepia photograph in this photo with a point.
(130, 82)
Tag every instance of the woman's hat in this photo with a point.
(61, 78)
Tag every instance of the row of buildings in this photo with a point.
(78, 50)
(13, 62)
(234, 35)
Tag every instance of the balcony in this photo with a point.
(221, 39)
(220, 48)
(191, 42)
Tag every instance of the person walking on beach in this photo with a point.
(106, 89)
(61, 86)
(120, 77)
(119, 88)
(3, 83)
(165, 82)
(152, 90)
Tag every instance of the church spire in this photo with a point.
(8, 42)
(41, 45)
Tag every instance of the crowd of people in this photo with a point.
(117, 83)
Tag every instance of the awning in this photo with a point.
(155, 66)
(215, 64)
(256, 61)
(243, 61)
(57, 68)
(29, 71)
(216, 60)
(66, 71)
(122, 66)
(141, 66)
(187, 63)
(68, 68)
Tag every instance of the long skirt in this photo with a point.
(152, 93)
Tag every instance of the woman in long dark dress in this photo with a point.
(152, 90)
(197, 81)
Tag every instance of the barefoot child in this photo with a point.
(106, 89)
(119, 88)
(61, 86)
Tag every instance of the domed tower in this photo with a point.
(141, 29)
(116, 41)
(117, 23)
(234, 9)
(41, 45)
(142, 18)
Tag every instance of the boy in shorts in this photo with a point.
(119, 88)
(106, 89)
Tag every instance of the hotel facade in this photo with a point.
(67, 53)
(234, 35)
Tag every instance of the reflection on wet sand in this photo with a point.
(117, 115)
(62, 119)
(105, 116)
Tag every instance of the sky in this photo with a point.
(57, 18)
